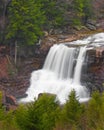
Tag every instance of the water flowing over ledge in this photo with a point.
(61, 72)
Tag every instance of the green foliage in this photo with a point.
(78, 13)
(46, 114)
(25, 21)
(53, 13)
(73, 106)
(40, 115)
(21, 117)
(1, 108)
(7, 121)
(0, 99)
(88, 9)
(71, 113)
(95, 111)
(28, 19)
(82, 10)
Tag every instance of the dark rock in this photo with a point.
(92, 22)
(22, 96)
(91, 26)
(93, 70)
(58, 31)
(11, 100)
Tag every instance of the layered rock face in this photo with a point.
(93, 74)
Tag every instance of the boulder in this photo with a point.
(11, 100)
(91, 26)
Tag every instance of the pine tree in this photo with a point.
(53, 13)
(40, 115)
(25, 21)
(77, 6)
(95, 111)
(72, 111)
(88, 10)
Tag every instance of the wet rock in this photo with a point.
(22, 96)
(95, 70)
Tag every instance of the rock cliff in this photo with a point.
(93, 70)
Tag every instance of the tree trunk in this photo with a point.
(15, 59)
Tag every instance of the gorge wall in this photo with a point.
(95, 69)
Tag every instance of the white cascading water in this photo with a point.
(61, 72)
(80, 59)
(60, 61)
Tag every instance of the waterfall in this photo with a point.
(60, 60)
(79, 64)
(61, 74)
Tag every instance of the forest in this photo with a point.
(46, 113)
(24, 23)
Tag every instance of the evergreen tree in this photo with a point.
(72, 111)
(3, 19)
(25, 21)
(7, 121)
(1, 108)
(40, 115)
(77, 7)
(53, 13)
(95, 111)
(82, 11)
(88, 10)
